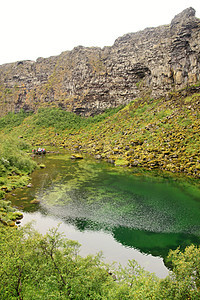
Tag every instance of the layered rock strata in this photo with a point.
(149, 63)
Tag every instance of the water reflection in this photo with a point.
(139, 211)
(157, 244)
(92, 242)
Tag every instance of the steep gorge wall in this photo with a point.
(150, 63)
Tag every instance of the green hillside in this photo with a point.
(163, 134)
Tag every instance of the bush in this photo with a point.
(184, 281)
(15, 164)
(13, 159)
(12, 119)
(49, 267)
(61, 120)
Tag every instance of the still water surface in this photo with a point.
(126, 213)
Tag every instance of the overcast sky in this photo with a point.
(42, 28)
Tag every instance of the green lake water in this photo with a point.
(126, 213)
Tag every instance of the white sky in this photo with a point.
(42, 28)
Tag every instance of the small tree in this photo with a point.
(184, 281)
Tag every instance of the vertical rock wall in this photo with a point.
(148, 63)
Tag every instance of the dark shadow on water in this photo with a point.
(156, 244)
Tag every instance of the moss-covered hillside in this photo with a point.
(150, 133)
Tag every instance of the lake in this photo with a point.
(127, 213)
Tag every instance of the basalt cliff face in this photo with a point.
(149, 63)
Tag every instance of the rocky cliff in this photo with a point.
(149, 63)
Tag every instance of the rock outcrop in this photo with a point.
(86, 81)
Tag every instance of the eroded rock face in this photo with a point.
(86, 81)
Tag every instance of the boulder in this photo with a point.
(76, 156)
(35, 201)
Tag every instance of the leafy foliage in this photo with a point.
(61, 120)
(34, 266)
(48, 267)
(184, 282)
(13, 158)
(15, 163)
(12, 120)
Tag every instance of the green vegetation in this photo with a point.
(49, 267)
(162, 134)
(12, 120)
(15, 164)
(61, 120)
(8, 214)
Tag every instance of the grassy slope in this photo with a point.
(162, 134)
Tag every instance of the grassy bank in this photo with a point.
(15, 167)
(15, 164)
